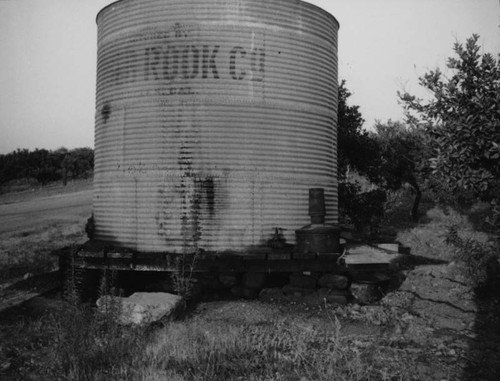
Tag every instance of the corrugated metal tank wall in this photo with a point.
(213, 119)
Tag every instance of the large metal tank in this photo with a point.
(213, 120)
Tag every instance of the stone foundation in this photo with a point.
(307, 287)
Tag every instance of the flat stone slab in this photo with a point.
(367, 255)
(394, 247)
(140, 308)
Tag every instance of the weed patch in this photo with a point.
(199, 349)
(90, 345)
(81, 344)
(474, 257)
(429, 239)
(30, 251)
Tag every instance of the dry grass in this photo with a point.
(23, 190)
(80, 344)
(277, 350)
(29, 251)
(429, 239)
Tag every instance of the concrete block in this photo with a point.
(253, 280)
(302, 281)
(394, 247)
(296, 291)
(228, 279)
(340, 282)
(244, 292)
(141, 308)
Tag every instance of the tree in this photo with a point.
(45, 166)
(402, 158)
(359, 151)
(463, 119)
(77, 163)
(356, 149)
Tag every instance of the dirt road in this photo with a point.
(44, 210)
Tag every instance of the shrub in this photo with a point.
(364, 209)
(347, 196)
(474, 257)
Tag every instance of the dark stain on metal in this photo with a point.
(163, 216)
(209, 189)
(106, 112)
(190, 188)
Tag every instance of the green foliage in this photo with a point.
(428, 239)
(45, 166)
(77, 163)
(463, 120)
(492, 222)
(401, 149)
(403, 153)
(363, 209)
(475, 258)
(391, 157)
(356, 149)
(347, 195)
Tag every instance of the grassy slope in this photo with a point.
(28, 249)
(29, 193)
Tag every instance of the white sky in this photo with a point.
(48, 59)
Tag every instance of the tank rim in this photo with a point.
(307, 4)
